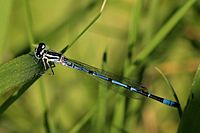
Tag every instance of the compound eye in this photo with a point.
(42, 45)
(40, 50)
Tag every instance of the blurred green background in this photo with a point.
(73, 100)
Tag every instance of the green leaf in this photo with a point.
(17, 76)
(191, 114)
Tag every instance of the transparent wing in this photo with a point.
(115, 88)
(124, 84)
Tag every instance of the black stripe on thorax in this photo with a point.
(52, 55)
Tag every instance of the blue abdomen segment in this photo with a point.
(170, 103)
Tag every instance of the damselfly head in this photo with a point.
(40, 50)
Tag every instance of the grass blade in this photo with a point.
(164, 31)
(172, 88)
(191, 115)
(83, 121)
(5, 9)
(135, 22)
(46, 122)
(119, 115)
(85, 29)
(99, 118)
(28, 18)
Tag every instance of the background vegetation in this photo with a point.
(136, 36)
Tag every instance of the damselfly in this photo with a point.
(49, 57)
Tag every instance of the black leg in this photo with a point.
(44, 61)
(50, 66)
